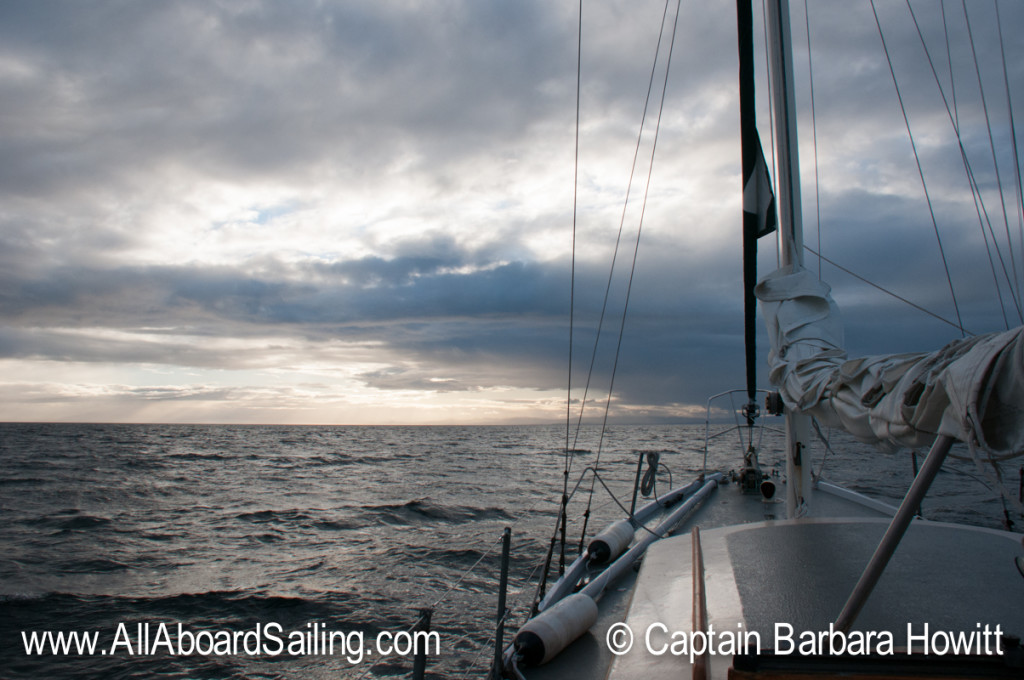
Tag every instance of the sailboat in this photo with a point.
(838, 584)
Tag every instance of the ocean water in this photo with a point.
(200, 551)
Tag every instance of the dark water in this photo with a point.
(277, 532)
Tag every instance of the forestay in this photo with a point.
(971, 389)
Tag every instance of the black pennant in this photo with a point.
(758, 198)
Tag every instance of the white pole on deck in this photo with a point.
(780, 61)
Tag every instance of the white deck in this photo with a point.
(950, 577)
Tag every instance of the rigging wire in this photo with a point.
(435, 604)
(979, 201)
(902, 299)
(1019, 189)
(995, 161)
(622, 222)
(949, 61)
(632, 272)
(983, 221)
(572, 266)
(814, 132)
(488, 550)
(917, 160)
(510, 611)
(568, 457)
(570, 451)
(954, 117)
(771, 128)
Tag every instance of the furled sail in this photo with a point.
(971, 389)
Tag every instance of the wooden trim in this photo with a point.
(701, 667)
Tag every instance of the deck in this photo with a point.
(772, 584)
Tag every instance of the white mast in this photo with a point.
(780, 61)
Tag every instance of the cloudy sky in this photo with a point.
(361, 212)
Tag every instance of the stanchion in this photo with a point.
(419, 663)
(499, 635)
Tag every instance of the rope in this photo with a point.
(647, 484)
(617, 502)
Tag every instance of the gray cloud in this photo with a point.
(244, 186)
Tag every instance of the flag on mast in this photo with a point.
(758, 197)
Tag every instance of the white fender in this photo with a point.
(611, 542)
(547, 634)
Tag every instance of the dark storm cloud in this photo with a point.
(503, 324)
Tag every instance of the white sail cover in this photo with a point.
(971, 389)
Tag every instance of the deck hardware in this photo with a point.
(750, 477)
(636, 482)
(751, 411)
(644, 486)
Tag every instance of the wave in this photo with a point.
(335, 525)
(449, 557)
(94, 566)
(70, 519)
(423, 510)
(419, 511)
(16, 481)
(298, 518)
(274, 516)
(204, 456)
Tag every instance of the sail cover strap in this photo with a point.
(971, 389)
